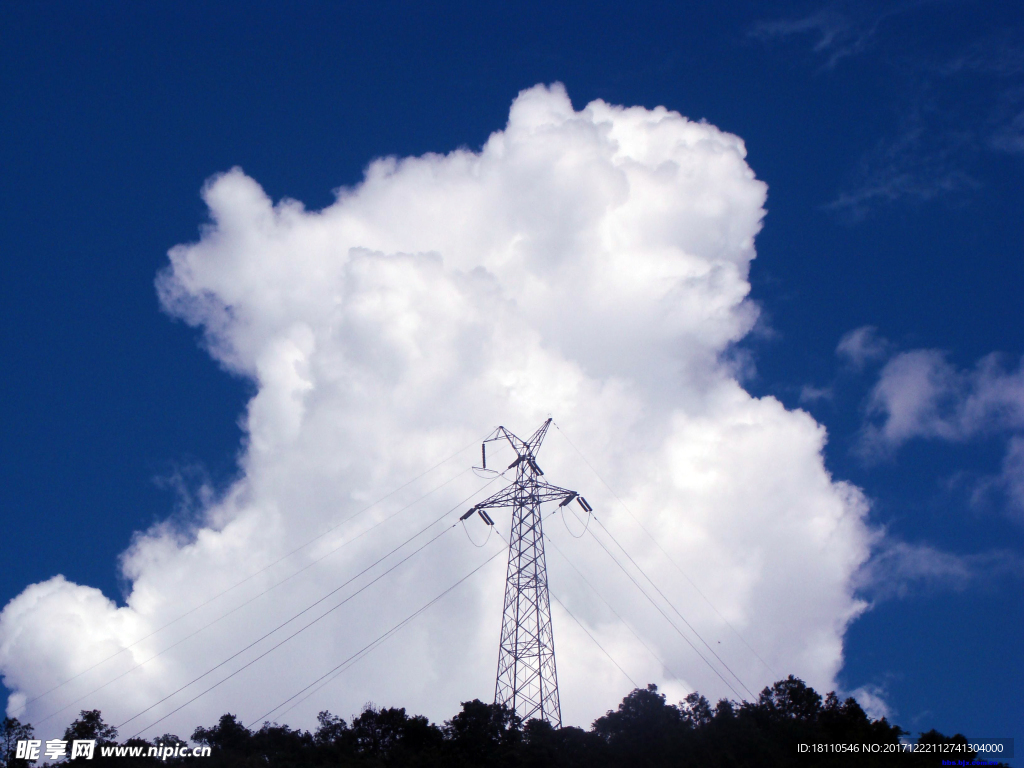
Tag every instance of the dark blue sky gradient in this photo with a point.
(113, 114)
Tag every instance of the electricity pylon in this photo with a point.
(527, 681)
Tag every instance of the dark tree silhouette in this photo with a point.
(644, 728)
(90, 725)
(391, 736)
(644, 731)
(11, 732)
(227, 735)
(483, 732)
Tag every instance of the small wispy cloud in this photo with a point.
(873, 699)
(921, 395)
(932, 150)
(900, 570)
(1010, 136)
(862, 346)
(921, 163)
(840, 29)
(1012, 477)
(1006, 127)
(1002, 56)
(809, 394)
(836, 34)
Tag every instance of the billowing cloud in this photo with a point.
(592, 265)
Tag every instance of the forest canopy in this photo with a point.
(643, 731)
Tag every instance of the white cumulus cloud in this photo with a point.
(589, 264)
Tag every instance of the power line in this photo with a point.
(625, 623)
(673, 607)
(302, 629)
(334, 672)
(243, 581)
(561, 510)
(665, 615)
(580, 625)
(306, 626)
(669, 557)
(254, 597)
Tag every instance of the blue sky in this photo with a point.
(891, 138)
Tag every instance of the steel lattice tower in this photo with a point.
(527, 681)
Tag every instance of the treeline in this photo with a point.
(644, 731)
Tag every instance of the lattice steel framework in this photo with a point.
(527, 681)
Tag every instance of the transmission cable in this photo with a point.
(468, 536)
(665, 615)
(580, 624)
(591, 636)
(561, 510)
(257, 596)
(295, 616)
(356, 657)
(247, 578)
(625, 623)
(669, 557)
(278, 645)
(672, 606)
